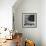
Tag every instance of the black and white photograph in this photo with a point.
(29, 20)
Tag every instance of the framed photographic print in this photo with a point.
(29, 20)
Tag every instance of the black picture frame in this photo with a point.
(29, 20)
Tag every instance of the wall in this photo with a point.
(28, 6)
(6, 13)
(43, 22)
